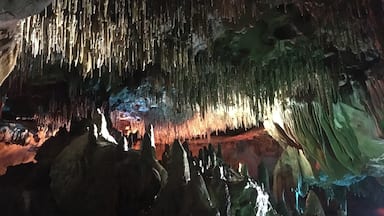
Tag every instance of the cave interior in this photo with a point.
(191, 107)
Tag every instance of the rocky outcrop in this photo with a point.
(93, 176)
(10, 14)
(205, 185)
(19, 9)
(9, 47)
(79, 174)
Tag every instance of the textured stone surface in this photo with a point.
(19, 9)
(11, 11)
(9, 47)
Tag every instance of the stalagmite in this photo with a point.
(180, 164)
(313, 205)
(104, 130)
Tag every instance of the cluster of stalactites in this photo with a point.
(60, 114)
(119, 34)
(218, 118)
(123, 34)
(199, 126)
(342, 136)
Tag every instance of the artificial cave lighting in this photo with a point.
(350, 128)
(120, 36)
(219, 118)
(191, 107)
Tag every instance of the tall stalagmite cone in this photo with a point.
(179, 164)
(148, 156)
(243, 170)
(313, 205)
(147, 151)
(263, 176)
(219, 152)
(186, 148)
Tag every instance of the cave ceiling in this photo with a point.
(194, 55)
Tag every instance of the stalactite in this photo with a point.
(87, 33)
(132, 35)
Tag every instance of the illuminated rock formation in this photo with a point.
(309, 71)
(11, 12)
